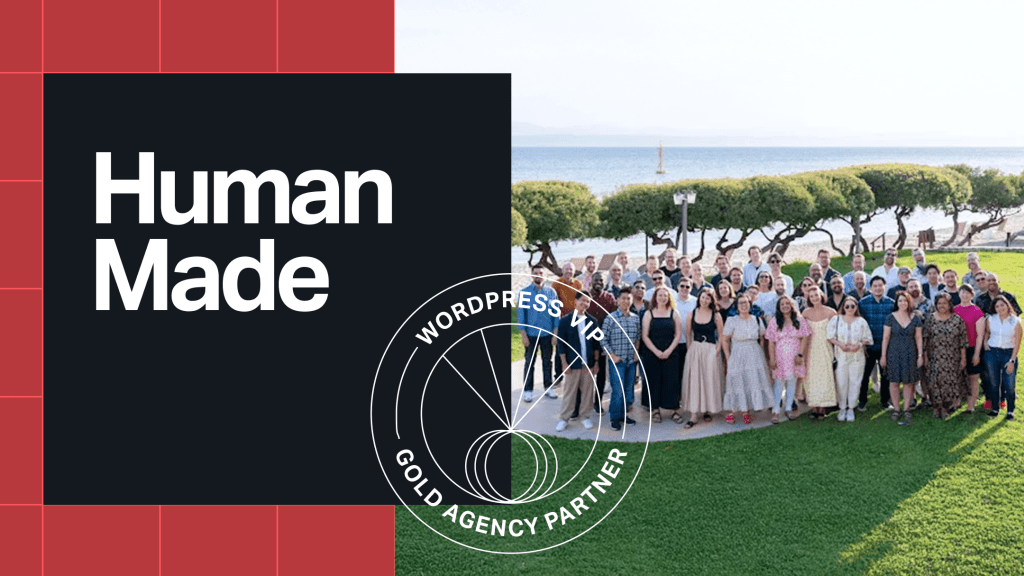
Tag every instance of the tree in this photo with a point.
(843, 196)
(518, 229)
(639, 208)
(905, 187)
(958, 205)
(718, 207)
(554, 210)
(996, 195)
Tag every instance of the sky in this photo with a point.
(854, 73)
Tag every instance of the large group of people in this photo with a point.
(750, 340)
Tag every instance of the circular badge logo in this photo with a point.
(486, 456)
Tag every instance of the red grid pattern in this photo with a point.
(122, 36)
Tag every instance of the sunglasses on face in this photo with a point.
(850, 307)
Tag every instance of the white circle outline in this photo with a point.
(430, 452)
(373, 436)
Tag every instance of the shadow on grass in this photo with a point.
(967, 520)
(797, 498)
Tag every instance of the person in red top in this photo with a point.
(971, 314)
(566, 287)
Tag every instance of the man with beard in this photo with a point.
(815, 273)
(922, 306)
(950, 286)
(920, 270)
(722, 263)
(860, 288)
(984, 300)
(858, 266)
(589, 267)
(670, 267)
(888, 271)
(537, 330)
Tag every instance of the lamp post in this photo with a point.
(683, 198)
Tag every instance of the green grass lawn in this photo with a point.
(939, 497)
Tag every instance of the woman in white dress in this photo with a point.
(747, 386)
(849, 333)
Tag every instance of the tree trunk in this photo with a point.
(832, 240)
(780, 243)
(956, 224)
(901, 213)
(548, 260)
(857, 236)
(656, 240)
(992, 222)
(700, 254)
(723, 248)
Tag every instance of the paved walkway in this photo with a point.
(541, 415)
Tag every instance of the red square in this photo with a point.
(21, 451)
(21, 346)
(101, 36)
(21, 229)
(21, 32)
(108, 540)
(349, 36)
(219, 35)
(21, 540)
(219, 540)
(21, 127)
(317, 540)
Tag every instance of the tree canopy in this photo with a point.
(554, 210)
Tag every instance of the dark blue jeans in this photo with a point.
(544, 341)
(623, 378)
(1002, 386)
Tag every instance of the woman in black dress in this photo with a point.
(662, 328)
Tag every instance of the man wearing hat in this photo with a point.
(903, 275)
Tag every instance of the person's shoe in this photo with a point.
(587, 423)
(914, 405)
(927, 402)
(849, 416)
(841, 417)
(993, 413)
(616, 424)
(551, 394)
(887, 407)
(528, 396)
(1009, 415)
(630, 420)
(907, 417)
(560, 426)
(860, 408)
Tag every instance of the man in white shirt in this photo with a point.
(920, 271)
(889, 270)
(752, 268)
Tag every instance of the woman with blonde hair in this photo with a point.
(661, 330)
(820, 382)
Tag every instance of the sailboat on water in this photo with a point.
(661, 159)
